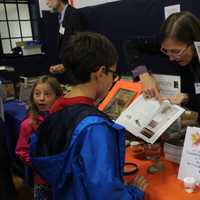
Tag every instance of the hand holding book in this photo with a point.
(178, 98)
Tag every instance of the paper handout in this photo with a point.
(190, 159)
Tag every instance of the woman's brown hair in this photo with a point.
(182, 26)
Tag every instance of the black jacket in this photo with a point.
(189, 76)
(73, 22)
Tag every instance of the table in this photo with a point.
(163, 185)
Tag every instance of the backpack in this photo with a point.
(54, 135)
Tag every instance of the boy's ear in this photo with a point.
(99, 73)
(101, 70)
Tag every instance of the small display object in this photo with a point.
(119, 98)
(152, 151)
(189, 118)
(173, 145)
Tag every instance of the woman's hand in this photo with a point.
(178, 99)
(57, 69)
(150, 86)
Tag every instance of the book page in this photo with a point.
(148, 118)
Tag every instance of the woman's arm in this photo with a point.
(135, 49)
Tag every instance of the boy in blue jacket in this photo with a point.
(78, 149)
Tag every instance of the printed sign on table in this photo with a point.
(190, 160)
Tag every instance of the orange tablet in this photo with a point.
(119, 97)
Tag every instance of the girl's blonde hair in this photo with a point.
(54, 84)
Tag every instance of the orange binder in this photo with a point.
(119, 97)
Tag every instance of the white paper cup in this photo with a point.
(189, 184)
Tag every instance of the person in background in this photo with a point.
(7, 188)
(70, 21)
(84, 157)
(176, 40)
(45, 91)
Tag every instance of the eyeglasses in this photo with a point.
(176, 53)
(116, 76)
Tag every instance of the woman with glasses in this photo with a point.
(176, 40)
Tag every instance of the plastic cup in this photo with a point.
(137, 148)
(189, 184)
(152, 151)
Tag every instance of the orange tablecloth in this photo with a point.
(163, 185)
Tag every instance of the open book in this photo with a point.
(148, 119)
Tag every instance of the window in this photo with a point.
(16, 23)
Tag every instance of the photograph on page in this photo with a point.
(122, 94)
(119, 102)
(164, 114)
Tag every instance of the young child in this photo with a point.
(45, 91)
(78, 149)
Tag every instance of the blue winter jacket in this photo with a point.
(91, 168)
